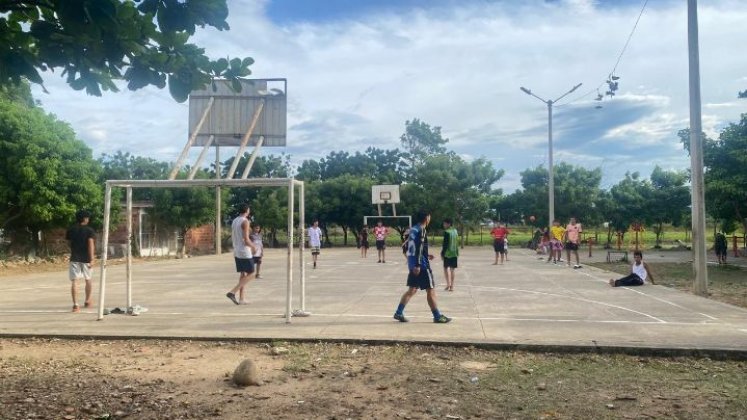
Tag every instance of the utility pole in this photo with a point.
(696, 155)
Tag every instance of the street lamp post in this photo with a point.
(550, 170)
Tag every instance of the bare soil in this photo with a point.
(157, 379)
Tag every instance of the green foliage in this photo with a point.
(98, 42)
(725, 160)
(576, 193)
(382, 166)
(451, 187)
(46, 174)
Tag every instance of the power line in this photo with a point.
(611, 77)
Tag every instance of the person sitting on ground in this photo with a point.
(639, 273)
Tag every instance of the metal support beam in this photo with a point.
(245, 140)
(201, 157)
(249, 165)
(185, 151)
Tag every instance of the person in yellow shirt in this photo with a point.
(556, 242)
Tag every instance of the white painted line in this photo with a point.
(744, 331)
(574, 298)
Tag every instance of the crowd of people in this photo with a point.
(248, 249)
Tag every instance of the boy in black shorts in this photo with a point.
(420, 275)
(450, 253)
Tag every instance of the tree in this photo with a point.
(344, 202)
(420, 141)
(454, 188)
(629, 198)
(576, 192)
(725, 178)
(667, 201)
(126, 166)
(46, 174)
(97, 42)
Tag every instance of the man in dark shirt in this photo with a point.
(420, 276)
(81, 238)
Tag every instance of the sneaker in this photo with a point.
(443, 319)
(401, 318)
(232, 297)
(76, 308)
(88, 304)
(576, 266)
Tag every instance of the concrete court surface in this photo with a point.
(525, 302)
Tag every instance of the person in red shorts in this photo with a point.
(500, 234)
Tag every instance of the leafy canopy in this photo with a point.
(97, 42)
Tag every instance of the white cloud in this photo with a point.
(353, 83)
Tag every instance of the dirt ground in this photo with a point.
(157, 379)
(162, 379)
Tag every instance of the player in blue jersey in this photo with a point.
(420, 275)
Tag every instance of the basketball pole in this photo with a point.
(128, 253)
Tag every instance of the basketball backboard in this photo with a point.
(385, 194)
(232, 112)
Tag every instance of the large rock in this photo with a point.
(246, 374)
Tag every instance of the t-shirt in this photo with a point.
(78, 235)
(315, 237)
(256, 239)
(240, 249)
(499, 232)
(557, 232)
(380, 232)
(573, 232)
(417, 249)
(450, 248)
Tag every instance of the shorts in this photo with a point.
(556, 245)
(244, 265)
(364, 244)
(257, 260)
(571, 246)
(79, 270)
(423, 281)
(450, 262)
(499, 246)
(380, 245)
(315, 250)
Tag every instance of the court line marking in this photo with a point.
(574, 298)
(346, 315)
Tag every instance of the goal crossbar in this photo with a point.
(289, 183)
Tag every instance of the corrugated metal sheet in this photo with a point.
(232, 113)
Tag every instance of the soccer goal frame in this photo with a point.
(290, 183)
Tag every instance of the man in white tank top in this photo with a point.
(242, 252)
(639, 273)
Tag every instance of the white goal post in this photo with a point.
(289, 183)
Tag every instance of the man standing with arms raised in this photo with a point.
(242, 251)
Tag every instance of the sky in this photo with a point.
(358, 69)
